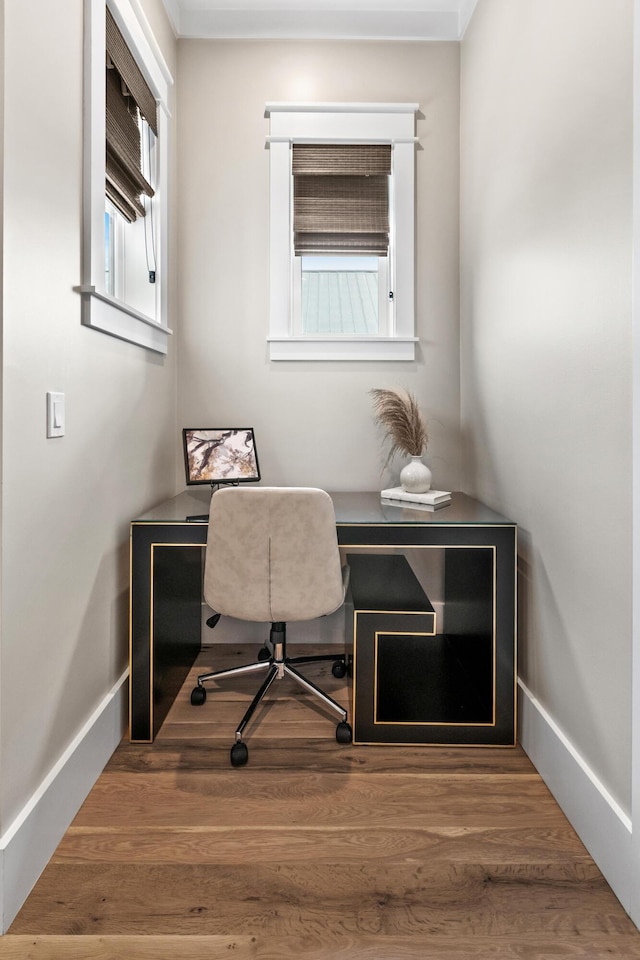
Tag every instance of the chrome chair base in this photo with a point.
(277, 666)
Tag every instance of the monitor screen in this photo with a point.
(220, 455)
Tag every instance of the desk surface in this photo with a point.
(350, 507)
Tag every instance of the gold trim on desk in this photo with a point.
(152, 551)
(460, 525)
(494, 644)
(152, 546)
(419, 723)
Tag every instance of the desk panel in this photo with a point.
(165, 618)
(166, 588)
(476, 641)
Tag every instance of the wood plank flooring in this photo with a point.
(315, 851)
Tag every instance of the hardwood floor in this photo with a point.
(315, 851)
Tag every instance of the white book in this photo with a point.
(408, 505)
(430, 498)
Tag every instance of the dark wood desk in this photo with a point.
(477, 551)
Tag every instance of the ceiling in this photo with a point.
(321, 19)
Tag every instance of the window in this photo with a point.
(341, 239)
(342, 224)
(124, 282)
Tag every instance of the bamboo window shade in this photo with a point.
(127, 93)
(341, 198)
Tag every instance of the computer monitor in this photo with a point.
(217, 455)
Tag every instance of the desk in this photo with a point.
(476, 548)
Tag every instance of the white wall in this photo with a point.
(546, 148)
(313, 420)
(66, 502)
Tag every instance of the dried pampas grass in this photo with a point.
(397, 412)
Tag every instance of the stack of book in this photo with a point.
(432, 498)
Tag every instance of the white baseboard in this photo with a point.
(27, 846)
(599, 821)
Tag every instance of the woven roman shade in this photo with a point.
(341, 198)
(127, 92)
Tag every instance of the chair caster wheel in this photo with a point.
(239, 754)
(343, 732)
(198, 696)
(264, 653)
(339, 669)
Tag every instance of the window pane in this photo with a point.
(108, 253)
(340, 295)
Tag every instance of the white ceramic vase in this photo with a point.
(415, 477)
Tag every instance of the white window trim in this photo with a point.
(100, 310)
(341, 123)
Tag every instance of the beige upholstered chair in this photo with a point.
(272, 555)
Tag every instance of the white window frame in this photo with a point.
(392, 123)
(101, 310)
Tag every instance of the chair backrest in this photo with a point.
(272, 554)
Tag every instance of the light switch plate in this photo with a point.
(55, 414)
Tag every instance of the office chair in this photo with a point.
(272, 555)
